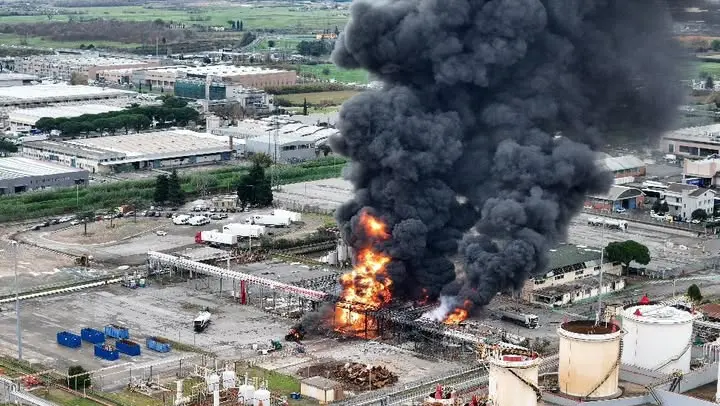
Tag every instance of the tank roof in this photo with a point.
(658, 314)
(589, 327)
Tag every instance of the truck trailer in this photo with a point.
(201, 322)
(523, 319)
(269, 220)
(215, 237)
(293, 216)
(244, 230)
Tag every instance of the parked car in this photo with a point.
(169, 215)
(129, 214)
(75, 222)
(620, 210)
(161, 232)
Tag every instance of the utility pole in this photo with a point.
(16, 250)
(602, 257)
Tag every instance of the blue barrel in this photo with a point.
(158, 344)
(117, 332)
(106, 352)
(92, 336)
(128, 347)
(69, 339)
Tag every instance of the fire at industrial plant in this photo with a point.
(481, 141)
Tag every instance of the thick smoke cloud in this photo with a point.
(487, 123)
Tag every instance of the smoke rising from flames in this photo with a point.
(464, 133)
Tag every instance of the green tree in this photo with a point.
(7, 147)
(173, 102)
(656, 207)
(255, 188)
(709, 83)
(271, 43)
(46, 124)
(699, 214)
(664, 208)
(305, 107)
(161, 189)
(715, 45)
(176, 195)
(693, 293)
(626, 252)
(78, 378)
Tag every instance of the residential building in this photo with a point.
(18, 175)
(684, 199)
(572, 275)
(144, 151)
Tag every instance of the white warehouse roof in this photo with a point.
(31, 116)
(622, 163)
(57, 93)
(16, 167)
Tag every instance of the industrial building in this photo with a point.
(64, 65)
(624, 168)
(289, 148)
(144, 151)
(692, 142)
(571, 276)
(320, 388)
(44, 94)
(703, 173)
(19, 175)
(618, 197)
(16, 79)
(23, 120)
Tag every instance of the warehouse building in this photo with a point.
(41, 95)
(89, 65)
(624, 168)
(572, 276)
(23, 120)
(703, 173)
(692, 142)
(144, 151)
(618, 197)
(246, 76)
(291, 147)
(18, 175)
(16, 79)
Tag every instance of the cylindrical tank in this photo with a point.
(246, 392)
(589, 359)
(514, 380)
(342, 251)
(261, 397)
(659, 337)
(213, 382)
(228, 379)
(332, 258)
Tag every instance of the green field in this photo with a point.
(284, 43)
(253, 18)
(713, 68)
(329, 71)
(9, 39)
(321, 98)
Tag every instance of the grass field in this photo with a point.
(324, 98)
(9, 39)
(66, 399)
(335, 73)
(713, 68)
(253, 18)
(284, 43)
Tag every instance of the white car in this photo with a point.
(161, 232)
(696, 221)
(620, 210)
(75, 222)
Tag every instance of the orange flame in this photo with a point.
(459, 315)
(425, 297)
(368, 284)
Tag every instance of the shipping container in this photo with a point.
(69, 339)
(128, 347)
(269, 220)
(158, 344)
(244, 230)
(92, 336)
(107, 352)
(215, 237)
(117, 332)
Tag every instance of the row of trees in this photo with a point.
(173, 112)
(315, 48)
(168, 189)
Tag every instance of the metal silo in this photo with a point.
(659, 337)
(589, 359)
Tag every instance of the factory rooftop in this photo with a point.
(31, 116)
(53, 93)
(16, 76)
(568, 255)
(16, 167)
(699, 133)
(621, 163)
(87, 60)
(218, 70)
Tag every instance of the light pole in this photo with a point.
(16, 251)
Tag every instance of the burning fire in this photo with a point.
(459, 314)
(368, 283)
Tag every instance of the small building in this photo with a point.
(624, 168)
(703, 173)
(323, 389)
(225, 202)
(684, 199)
(17, 79)
(572, 276)
(618, 197)
(18, 175)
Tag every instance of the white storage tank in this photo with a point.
(589, 359)
(659, 337)
(342, 251)
(246, 393)
(514, 379)
(213, 382)
(228, 379)
(261, 397)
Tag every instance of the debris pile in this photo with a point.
(375, 377)
(247, 257)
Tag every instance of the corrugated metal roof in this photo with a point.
(618, 192)
(17, 167)
(568, 254)
(622, 163)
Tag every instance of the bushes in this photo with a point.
(309, 88)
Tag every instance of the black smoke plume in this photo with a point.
(487, 123)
